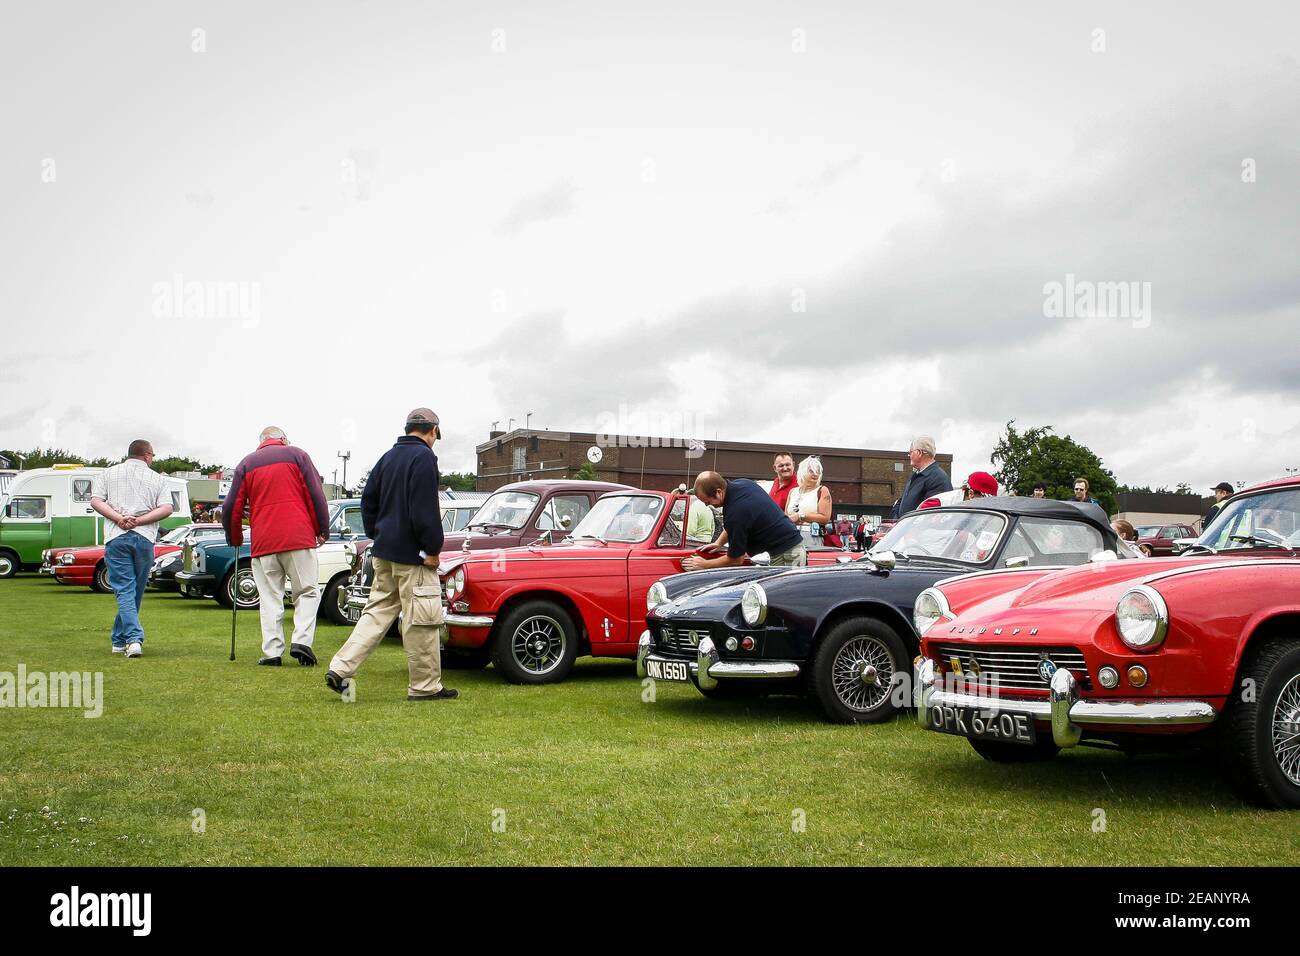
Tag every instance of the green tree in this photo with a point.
(586, 473)
(1037, 455)
(458, 481)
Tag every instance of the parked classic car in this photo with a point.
(533, 610)
(843, 634)
(214, 569)
(1158, 540)
(87, 566)
(1202, 648)
(518, 513)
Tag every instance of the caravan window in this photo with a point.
(80, 489)
(176, 502)
(32, 508)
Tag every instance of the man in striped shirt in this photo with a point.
(133, 498)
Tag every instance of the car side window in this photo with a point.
(560, 507)
(30, 508)
(352, 520)
(1055, 542)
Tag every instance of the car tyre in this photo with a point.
(1042, 749)
(8, 564)
(99, 582)
(334, 601)
(225, 592)
(536, 643)
(1259, 762)
(853, 670)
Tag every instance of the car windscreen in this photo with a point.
(505, 509)
(1268, 519)
(966, 536)
(625, 518)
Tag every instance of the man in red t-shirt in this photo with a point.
(779, 490)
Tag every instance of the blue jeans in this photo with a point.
(128, 557)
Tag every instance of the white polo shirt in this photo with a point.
(131, 488)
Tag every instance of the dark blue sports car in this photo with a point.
(844, 634)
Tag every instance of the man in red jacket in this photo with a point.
(287, 510)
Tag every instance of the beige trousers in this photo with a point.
(302, 569)
(413, 590)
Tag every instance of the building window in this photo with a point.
(898, 466)
(518, 459)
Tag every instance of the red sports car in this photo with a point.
(532, 610)
(86, 565)
(1203, 648)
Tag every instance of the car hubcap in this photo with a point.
(1286, 730)
(244, 587)
(101, 577)
(538, 644)
(862, 673)
(6, 565)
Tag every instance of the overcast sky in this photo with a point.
(824, 223)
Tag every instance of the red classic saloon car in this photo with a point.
(1199, 649)
(532, 610)
(86, 566)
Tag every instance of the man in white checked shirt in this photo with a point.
(133, 498)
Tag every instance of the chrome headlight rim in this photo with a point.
(67, 558)
(753, 604)
(656, 596)
(1160, 609)
(940, 607)
(454, 583)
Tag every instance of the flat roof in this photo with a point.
(663, 441)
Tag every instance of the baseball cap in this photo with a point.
(424, 416)
(982, 482)
(1223, 486)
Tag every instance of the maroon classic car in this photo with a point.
(520, 513)
(1158, 540)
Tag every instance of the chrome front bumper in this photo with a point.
(1063, 708)
(708, 665)
(468, 620)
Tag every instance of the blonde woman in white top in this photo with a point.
(810, 501)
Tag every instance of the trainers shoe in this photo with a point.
(302, 654)
(269, 662)
(118, 649)
(134, 649)
(334, 682)
(445, 694)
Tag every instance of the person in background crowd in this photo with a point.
(1040, 490)
(927, 478)
(779, 490)
(1222, 492)
(286, 504)
(980, 484)
(1081, 491)
(699, 524)
(863, 533)
(751, 524)
(1126, 532)
(809, 504)
(133, 498)
(400, 512)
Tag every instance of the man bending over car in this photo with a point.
(751, 524)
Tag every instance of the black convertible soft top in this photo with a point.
(1041, 508)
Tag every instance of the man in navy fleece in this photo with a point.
(399, 509)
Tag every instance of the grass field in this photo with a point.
(581, 772)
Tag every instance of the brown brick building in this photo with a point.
(862, 481)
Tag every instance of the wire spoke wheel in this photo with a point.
(538, 644)
(1286, 730)
(862, 673)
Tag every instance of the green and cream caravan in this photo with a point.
(50, 508)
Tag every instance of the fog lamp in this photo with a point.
(1108, 677)
(732, 643)
(1137, 676)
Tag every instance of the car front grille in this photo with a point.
(1017, 668)
(683, 640)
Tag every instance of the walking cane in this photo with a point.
(234, 609)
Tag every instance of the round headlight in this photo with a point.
(67, 558)
(455, 582)
(929, 607)
(1142, 618)
(658, 594)
(753, 605)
